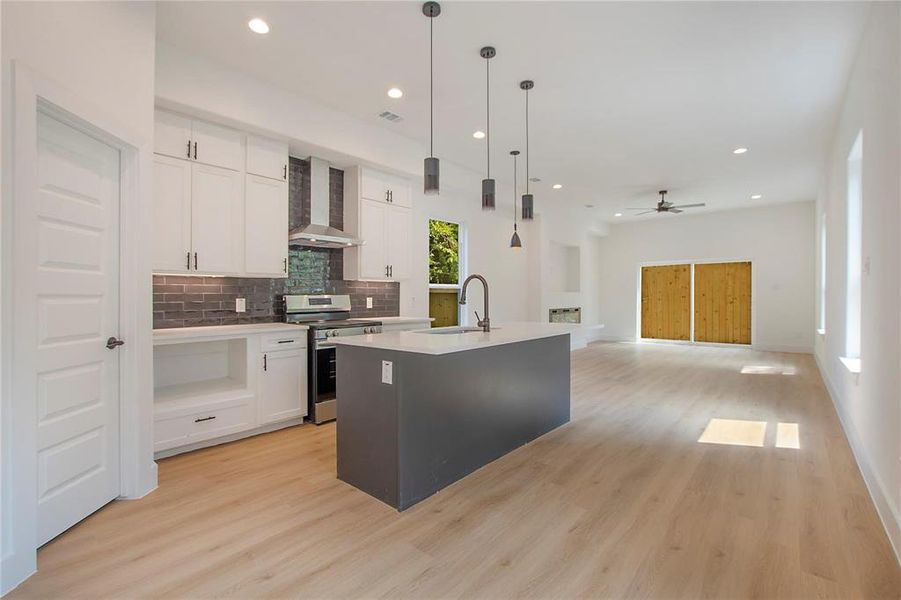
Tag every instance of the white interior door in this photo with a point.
(217, 220)
(73, 282)
(266, 226)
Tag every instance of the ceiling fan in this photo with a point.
(664, 206)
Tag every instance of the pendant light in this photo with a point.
(488, 186)
(430, 166)
(528, 201)
(515, 242)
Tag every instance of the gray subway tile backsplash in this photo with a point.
(188, 301)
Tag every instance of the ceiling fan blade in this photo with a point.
(653, 210)
(674, 210)
(639, 208)
(668, 204)
(689, 205)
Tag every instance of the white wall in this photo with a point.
(869, 405)
(778, 239)
(103, 53)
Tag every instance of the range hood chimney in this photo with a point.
(318, 234)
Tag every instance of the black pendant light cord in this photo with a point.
(514, 191)
(431, 89)
(527, 141)
(488, 113)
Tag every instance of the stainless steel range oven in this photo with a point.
(328, 317)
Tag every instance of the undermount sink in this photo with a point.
(451, 330)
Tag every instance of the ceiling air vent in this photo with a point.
(390, 116)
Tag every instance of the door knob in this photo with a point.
(112, 343)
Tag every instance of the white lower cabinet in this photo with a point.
(283, 375)
(210, 388)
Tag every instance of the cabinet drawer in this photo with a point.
(202, 425)
(218, 422)
(284, 341)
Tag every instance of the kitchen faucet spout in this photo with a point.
(484, 323)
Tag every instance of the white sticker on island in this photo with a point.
(387, 371)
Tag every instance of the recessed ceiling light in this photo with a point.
(258, 25)
(756, 196)
(617, 214)
(739, 150)
(395, 93)
(589, 206)
(557, 186)
(479, 135)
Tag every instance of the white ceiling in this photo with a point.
(629, 98)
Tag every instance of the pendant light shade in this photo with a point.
(488, 187)
(528, 200)
(515, 241)
(431, 169)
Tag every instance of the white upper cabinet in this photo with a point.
(171, 215)
(172, 135)
(267, 158)
(398, 225)
(220, 204)
(217, 220)
(191, 139)
(266, 226)
(377, 210)
(384, 188)
(216, 145)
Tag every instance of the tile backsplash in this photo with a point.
(187, 301)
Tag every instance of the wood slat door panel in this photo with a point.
(666, 302)
(722, 298)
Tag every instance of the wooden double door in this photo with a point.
(719, 295)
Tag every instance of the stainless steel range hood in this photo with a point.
(318, 234)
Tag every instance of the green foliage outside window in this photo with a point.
(444, 252)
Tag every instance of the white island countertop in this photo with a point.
(428, 342)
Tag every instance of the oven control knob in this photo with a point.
(367, 330)
(331, 333)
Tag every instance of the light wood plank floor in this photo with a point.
(622, 502)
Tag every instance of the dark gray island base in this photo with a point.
(444, 415)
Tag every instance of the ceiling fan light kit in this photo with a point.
(431, 167)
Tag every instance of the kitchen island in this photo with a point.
(420, 410)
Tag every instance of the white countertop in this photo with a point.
(432, 343)
(397, 320)
(174, 334)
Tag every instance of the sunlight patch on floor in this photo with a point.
(787, 436)
(767, 370)
(734, 432)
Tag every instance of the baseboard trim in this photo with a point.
(761, 347)
(228, 438)
(891, 520)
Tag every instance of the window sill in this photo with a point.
(444, 286)
(852, 364)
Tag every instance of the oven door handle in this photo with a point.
(324, 346)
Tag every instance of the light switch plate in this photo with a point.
(387, 372)
(368, 301)
(240, 305)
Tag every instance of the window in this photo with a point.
(445, 254)
(855, 251)
(821, 316)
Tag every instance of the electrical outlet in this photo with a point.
(387, 372)
(240, 305)
(368, 302)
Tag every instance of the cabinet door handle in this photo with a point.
(386, 270)
(285, 174)
(189, 260)
(390, 270)
(195, 261)
(265, 362)
(286, 265)
(195, 150)
(210, 418)
(391, 196)
(189, 148)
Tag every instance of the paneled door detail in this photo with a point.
(666, 302)
(73, 281)
(723, 303)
